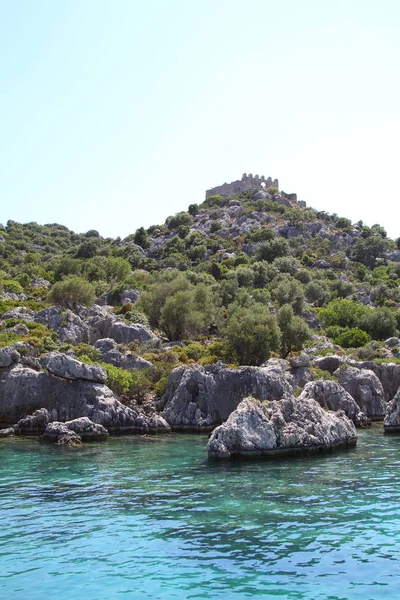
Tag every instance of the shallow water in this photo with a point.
(151, 518)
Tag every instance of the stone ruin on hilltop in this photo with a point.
(246, 184)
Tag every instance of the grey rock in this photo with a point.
(299, 361)
(328, 363)
(34, 424)
(88, 430)
(322, 264)
(332, 396)
(65, 366)
(40, 282)
(9, 356)
(23, 391)
(19, 312)
(59, 433)
(67, 324)
(9, 432)
(391, 421)
(130, 296)
(122, 333)
(392, 342)
(199, 398)
(310, 318)
(110, 354)
(20, 329)
(366, 389)
(287, 426)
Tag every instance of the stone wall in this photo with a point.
(246, 184)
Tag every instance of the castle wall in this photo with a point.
(246, 184)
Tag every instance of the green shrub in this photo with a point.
(352, 338)
(82, 349)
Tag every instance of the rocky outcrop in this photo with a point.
(199, 398)
(330, 395)
(34, 424)
(87, 430)
(68, 325)
(366, 389)
(110, 354)
(8, 432)
(391, 422)
(59, 433)
(65, 366)
(8, 356)
(23, 391)
(108, 326)
(287, 426)
(328, 363)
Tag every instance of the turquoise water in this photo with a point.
(139, 518)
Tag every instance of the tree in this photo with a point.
(294, 330)
(180, 317)
(251, 334)
(72, 292)
(290, 291)
(117, 269)
(272, 249)
(343, 312)
(380, 323)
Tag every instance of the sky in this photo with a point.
(115, 114)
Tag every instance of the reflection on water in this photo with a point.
(152, 518)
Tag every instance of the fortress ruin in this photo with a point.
(246, 184)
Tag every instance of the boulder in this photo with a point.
(299, 361)
(8, 356)
(330, 395)
(59, 433)
(366, 389)
(392, 342)
(391, 421)
(65, 366)
(8, 432)
(24, 390)
(88, 430)
(288, 426)
(199, 398)
(328, 363)
(108, 326)
(19, 312)
(40, 283)
(110, 354)
(34, 424)
(67, 324)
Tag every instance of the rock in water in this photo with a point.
(287, 426)
(332, 396)
(87, 429)
(9, 432)
(199, 398)
(366, 389)
(60, 434)
(391, 422)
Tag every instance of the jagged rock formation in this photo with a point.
(23, 391)
(199, 398)
(287, 426)
(67, 367)
(330, 395)
(391, 422)
(366, 389)
(59, 433)
(110, 354)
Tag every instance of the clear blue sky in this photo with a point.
(118, 113)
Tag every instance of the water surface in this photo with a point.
(150, 517)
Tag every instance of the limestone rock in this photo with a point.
(19, 312)
(23, 391)
(8, 356)
(87, 430)
(199, 398)
(366, 389)
(299, 361)
(34, 424)
(67, 324)
(391, 422)
(65, 366)
(332, 396)
(123, 333)
(110, 354)
(287, 426)
(59, 433)
(9, 432)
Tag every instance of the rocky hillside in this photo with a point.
(234, 281)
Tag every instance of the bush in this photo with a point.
(352, 338)
(294, 331)
(272, 249)
(343, 312)
(251, 334)
(290, 291)
(380, 323)
(72, 292)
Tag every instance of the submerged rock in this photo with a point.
(332, 396)
(199, 398)
(88, 430)
(288, 426)
(59, 433)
